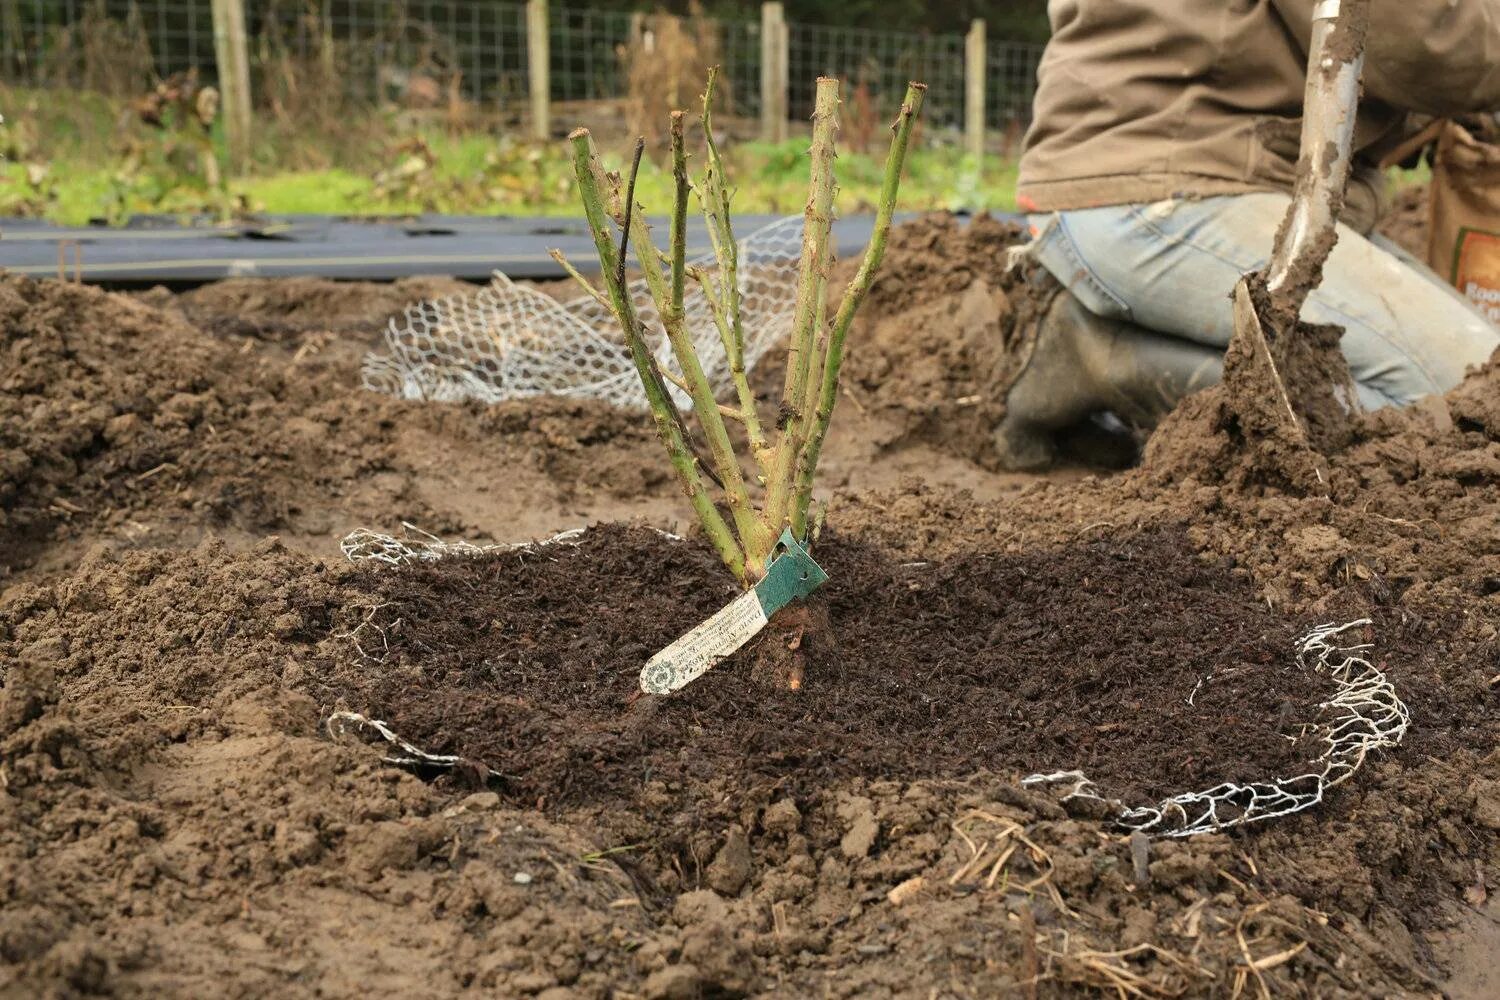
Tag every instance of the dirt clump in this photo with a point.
(933, 340)
(1408, 514)
(124, 421)
(270, 308)
(1285, 401)
(1409, 509)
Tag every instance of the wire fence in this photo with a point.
(426, 52)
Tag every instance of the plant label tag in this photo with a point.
(690, 657)
(792, 574)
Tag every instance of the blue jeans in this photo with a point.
(1171, 266)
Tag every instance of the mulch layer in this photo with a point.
(1130, 659)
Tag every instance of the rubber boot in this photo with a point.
(1083, 364)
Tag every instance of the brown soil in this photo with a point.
(1285, 402)
(236, 409)
(175, 821)
(931, 345)
(270, 308)
(142, 425)
(1102, 648)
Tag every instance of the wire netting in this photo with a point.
(1363, 713)
(883, 62)
(414, 52)
(416, 545)
(1009, 82)
(99, 44)
(583, 50)
(431, 51)
(511, 341)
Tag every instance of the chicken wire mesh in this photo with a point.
(510, 341)
(364, 545)
(1364, 714)
(342, 725)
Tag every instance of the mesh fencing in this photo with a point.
(583, 48)
(511, 341)
(411, 52)
(882, 62)
(1009, 85)
(426, 53)
(49, 42)
(1363, 714)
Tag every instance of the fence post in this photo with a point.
(773, 72)
(974, 66)
(233, 62)
(539, 68)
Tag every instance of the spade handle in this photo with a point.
(1334, 60)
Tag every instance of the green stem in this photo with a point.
(813, 270)
(667, 291)
(715, 201)
(588, 172)
(854, 294)
(624, 210)
(677, 234)
(745, 412)
(819, 360)
(583, 282)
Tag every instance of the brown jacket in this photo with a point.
(1141, 100)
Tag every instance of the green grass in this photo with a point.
(473, 174)
(81, 141)
(321, 192)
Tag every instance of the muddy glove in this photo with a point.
(1080, 365)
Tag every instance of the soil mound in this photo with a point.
(153, 419)
(527, 660)
(128, 421)
(1410, 500)
(930, 344)
(1409, 515)
(277, 307)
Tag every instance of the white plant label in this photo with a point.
(708, 643)
(791, 575)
